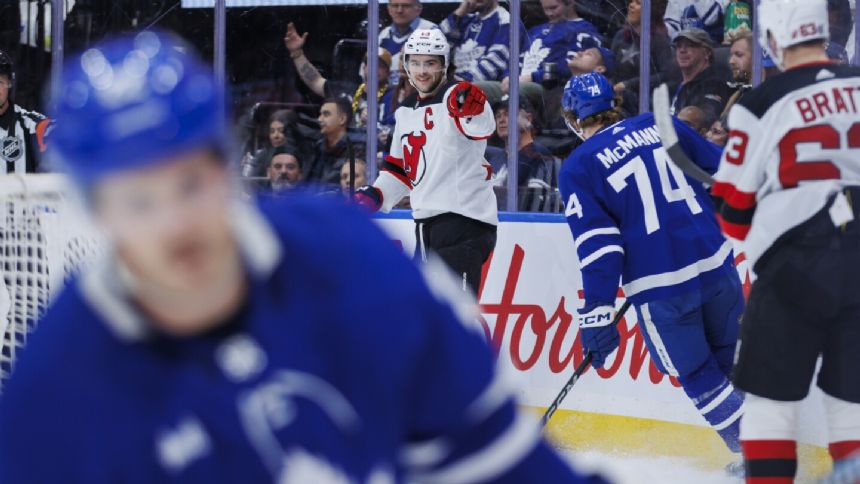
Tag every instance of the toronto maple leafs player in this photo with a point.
(437, 158)
(221, 341)
(636, 218)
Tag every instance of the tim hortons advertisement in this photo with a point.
(529, 300)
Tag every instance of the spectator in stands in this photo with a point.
(706, 15)
(405, 18)
(535, 167)
(601, 60)
(695, 118)
(717, 133)
(700, 85)
(740, 62)
(279, 135)
(478, 31)
(332, 149)
(360, 175)
(625, 45)
(551, 43)
(325, 88)
(594, 59)
(284, 171)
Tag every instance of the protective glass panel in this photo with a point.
(705, 51)
(559, 39)
(294, 73)
(25, 37)
(88, 22)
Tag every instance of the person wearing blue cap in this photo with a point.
(223, 341)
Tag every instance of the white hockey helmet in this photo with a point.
(427, 42)
(790, 22)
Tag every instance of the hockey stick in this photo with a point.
(663, 120)
(577, 373)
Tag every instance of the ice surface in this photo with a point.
(645, 469)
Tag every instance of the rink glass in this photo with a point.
(246, 46)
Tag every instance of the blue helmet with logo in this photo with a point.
(133, 101)
(588, 94)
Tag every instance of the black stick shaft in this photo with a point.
(577, 373)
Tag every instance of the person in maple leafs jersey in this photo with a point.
(221, 340)
(788, 189)
(636, 219)
(437, 158)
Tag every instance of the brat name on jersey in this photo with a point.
(828, 101)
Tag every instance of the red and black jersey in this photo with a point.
(793, 141)
(438, 160)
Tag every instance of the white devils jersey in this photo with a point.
(793, 142)
(440, 159)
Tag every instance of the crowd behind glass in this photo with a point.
(297, 75)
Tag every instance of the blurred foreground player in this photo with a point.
(636, 218)
(437, 158)
(789, 187)
(224, 342)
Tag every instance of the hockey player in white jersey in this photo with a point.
(222, 341)
(437, 158)
(788, 187)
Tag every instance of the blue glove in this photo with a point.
(599, 335)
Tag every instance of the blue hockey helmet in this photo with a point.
(132, 101)
(588, 94)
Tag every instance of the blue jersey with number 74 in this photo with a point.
(636, 217)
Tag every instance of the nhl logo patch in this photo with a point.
(11, 148)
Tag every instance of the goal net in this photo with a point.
(44, 238)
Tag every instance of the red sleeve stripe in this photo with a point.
(733, 230)
(394, 160)
(732, 196)
(475, 138)
(397, 172)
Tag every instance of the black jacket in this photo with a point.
(707, 91)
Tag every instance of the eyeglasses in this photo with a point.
(400, 6)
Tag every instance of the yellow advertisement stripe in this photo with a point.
(615, 434)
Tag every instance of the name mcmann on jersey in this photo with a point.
(635, 139)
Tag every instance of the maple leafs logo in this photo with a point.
(467, 55)
(534, 57)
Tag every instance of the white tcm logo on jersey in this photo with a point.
(414, 159)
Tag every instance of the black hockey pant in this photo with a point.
(464, 244)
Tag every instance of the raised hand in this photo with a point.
(292, 40)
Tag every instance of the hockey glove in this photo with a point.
(599, 335)
(466, 99)
(368, 197)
